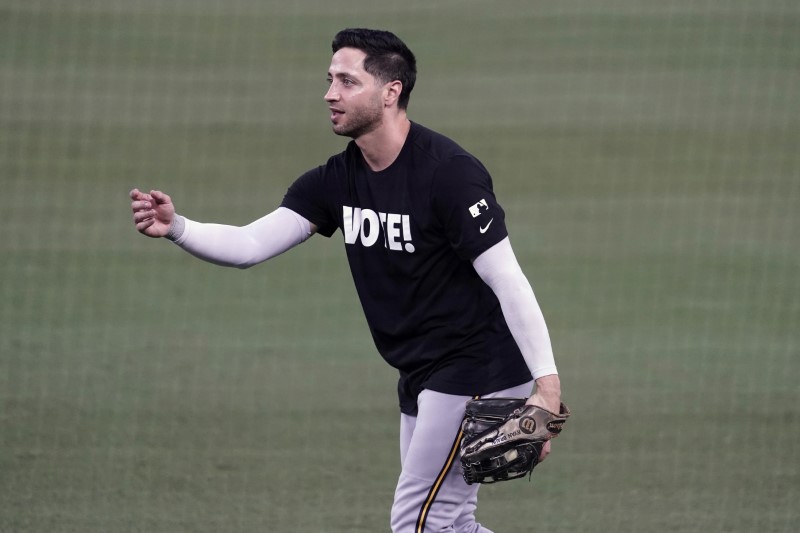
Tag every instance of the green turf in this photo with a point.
(646, 154)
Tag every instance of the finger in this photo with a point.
(136, 194)
(545, 451)
(139, 216)
(141, 226)
(160, 197)
(139, 205)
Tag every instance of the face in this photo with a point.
(354, 96)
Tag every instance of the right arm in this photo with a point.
(241, 247)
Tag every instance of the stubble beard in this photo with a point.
(361, 121)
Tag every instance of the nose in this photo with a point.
(332, 95)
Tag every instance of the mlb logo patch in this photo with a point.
(478, 208)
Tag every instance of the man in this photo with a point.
(445, 299)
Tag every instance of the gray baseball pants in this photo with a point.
(431, 494)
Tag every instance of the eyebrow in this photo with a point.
(343, 75)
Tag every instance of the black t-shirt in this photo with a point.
(411, 232)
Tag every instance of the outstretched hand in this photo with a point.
(152, 212)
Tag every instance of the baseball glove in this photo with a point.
(503, 438)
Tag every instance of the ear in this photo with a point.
(391, 92)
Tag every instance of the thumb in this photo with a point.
(160, 197)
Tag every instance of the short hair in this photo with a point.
(388, 58)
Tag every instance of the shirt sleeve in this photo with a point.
(307, 197)
(465, 203)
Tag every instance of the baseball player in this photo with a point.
(444, 296)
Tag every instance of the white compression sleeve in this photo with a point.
(498, 268)
(244, 246)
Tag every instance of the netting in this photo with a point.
(645, 152)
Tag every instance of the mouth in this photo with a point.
(335, 113)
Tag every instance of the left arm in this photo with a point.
(499, 269)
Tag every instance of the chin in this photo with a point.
(343, 132)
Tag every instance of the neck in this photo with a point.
(381, 146)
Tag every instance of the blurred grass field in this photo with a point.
(647, 157)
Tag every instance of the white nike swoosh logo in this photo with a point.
(485, 228)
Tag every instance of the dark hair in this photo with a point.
(388, 58)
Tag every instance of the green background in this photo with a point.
(646, 153)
